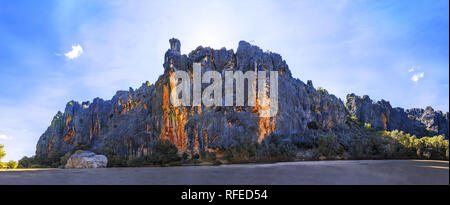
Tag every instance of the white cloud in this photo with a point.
(5, 137)
(415, 78)
(414, 68)
(76, 51)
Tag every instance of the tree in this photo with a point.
(2, 152)
(25, 162)
(11, 164)
(163, 153)
(328, 145)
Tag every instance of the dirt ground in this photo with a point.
(308, 172)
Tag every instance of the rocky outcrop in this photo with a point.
(85, 159)
(133, 121)
(419, 122)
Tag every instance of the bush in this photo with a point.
(245, 150)
(163, 152)
(64, 158)
(304, 142)
(185, 156)
(116, 161)
(228, 155)
(328, 145)
(322, 90)
(208, 156)
(136, 162)
(275, 147)
(11, 164)
(33, 162)
(403, 144)
(37, 166)
(25, 162)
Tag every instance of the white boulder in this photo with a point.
(85, 159)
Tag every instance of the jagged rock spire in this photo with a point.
(175, 45)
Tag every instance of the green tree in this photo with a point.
(322, 90)
(163, 153)
(25, 162)
(2, 152)
(11, 164)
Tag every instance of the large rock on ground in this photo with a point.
(85, 159)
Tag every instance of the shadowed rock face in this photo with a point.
(420, 122)
(133, 121)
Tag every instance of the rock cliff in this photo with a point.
(381, 115)
(133, 121)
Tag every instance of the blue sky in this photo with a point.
(395, 50)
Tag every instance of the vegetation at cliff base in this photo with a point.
(363, 142)
(380, 144)
(162, 154)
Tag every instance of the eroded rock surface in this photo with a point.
(85, 159)
(133, 121)
(381, 115)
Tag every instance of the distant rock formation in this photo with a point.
(133, 121)
(381, 115)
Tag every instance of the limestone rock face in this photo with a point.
(133, 121)
(419, 122)
(84, 159)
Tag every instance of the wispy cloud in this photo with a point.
(414, 68)
(76, 51)
(5, 137)
(416, 77)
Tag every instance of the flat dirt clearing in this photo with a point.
(308, 172)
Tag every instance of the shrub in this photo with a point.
(164, 152)
(136, 162)
(245, 150)
(37, 166)
(185, 156)
(228, 155)
(208, 156)
(11, 164)
(64, 158)
(403, 144)
(328, 145)
(25, 162)
(304, 142)
(275, 147)
(322, 90)
(116, 161)
(446, 153)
